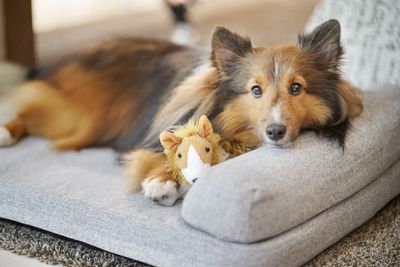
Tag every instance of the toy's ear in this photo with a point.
(169, 140)
(205, 126)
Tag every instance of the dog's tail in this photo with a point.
(141, 164)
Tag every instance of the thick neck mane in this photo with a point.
(190, 129)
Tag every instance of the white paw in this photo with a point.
(5, 137)
(164, 194)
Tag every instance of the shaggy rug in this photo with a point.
(376, 243)
(54, 249)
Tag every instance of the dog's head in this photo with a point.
(275, 92)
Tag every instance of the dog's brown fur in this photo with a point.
(126, 92)
(98, 95)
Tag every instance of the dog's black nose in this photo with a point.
(276, 132)
(194, 180)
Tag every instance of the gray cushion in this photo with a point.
(270, 190)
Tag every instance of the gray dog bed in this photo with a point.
(269, 207)
(376, 243)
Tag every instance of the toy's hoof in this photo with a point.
(163, 193)
(194, 180)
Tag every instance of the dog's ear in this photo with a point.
(227, 48)
(170, 141)
(324, 42)
(205, 127)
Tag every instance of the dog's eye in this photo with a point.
(207, 149)
(256, 90)
(179, 155)
(295, 88)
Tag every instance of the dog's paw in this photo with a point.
(5, 137)
(164, 193)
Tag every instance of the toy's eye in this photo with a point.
(207, 149)
(295, 88)
(179, 155)
(257, 91)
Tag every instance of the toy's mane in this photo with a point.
(187, 130)
(192, 128)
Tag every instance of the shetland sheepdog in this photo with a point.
(125, 92)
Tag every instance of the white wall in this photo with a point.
(49, 15)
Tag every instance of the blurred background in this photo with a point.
(40, 31)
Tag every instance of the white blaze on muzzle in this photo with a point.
(195, 166)
(276, 114)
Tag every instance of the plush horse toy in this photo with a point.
(189, 151)
(192, 149)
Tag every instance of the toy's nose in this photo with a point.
(194, 180)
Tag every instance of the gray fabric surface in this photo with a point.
(80, 195)
(375, 243)
(268, 191)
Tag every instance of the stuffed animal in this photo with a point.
(191, 150)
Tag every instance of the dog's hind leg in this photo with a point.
(84, 136)
(40, 110)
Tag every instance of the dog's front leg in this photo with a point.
(161, 188)
(149, 172)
